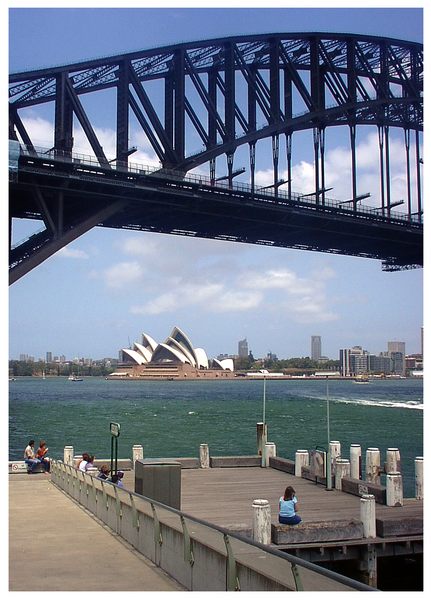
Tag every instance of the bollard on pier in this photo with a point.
(204, 456)
(261, 521)
(419, 477)
(393, 461)
(68, 455)
(269, 450)
(368, 515)
(394, 489)
(137, 453)
(262, 436)
(342, 469)
(355, 461)
(302, 459)
(372, 465)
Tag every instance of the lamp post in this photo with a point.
(263, 462)
(328, 453)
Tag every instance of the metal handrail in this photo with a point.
(57, 466)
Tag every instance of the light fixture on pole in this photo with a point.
(328, 452)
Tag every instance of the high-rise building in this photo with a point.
(397, 352)
(316, 347)
(49, 357)
(397, 347)
(243, 348)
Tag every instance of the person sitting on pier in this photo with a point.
(41, 454)
(29, 458)
(287, 508)
(104, 472)
(120, 475)
(82, 465)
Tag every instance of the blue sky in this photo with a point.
(106, 288)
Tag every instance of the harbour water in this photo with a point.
(171, 419)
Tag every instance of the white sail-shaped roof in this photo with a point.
(182, 339)
(136, 356)
(174, 344)
(148, 342)
(165, 353)
(202, 358)
(147, 354)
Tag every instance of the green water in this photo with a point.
(171, 419)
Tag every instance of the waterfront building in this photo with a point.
(316, 347)
(48, 357)
(176, 357)
(243, 348)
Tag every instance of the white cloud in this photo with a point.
(122, 274)
(67, 252)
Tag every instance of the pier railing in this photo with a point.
(197, 554)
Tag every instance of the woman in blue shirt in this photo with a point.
(287, 508)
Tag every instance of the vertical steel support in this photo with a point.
(289, 163)
(409, 191)
(322, 161)
(169, 106)
(63, 126)
(212, 124)
(382, 178)
(316, 161)
(212, 170)
(229, 157)
(275, 154)
(274, 80)
(179, 131)
(418, 176)
(388, 174)
(353, 155)
(229, 81)
(252, 150)
(123, 112)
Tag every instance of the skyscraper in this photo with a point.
(243, 348)
(316, 347)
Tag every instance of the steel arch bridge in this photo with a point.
(198, 103)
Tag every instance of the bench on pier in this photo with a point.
(282, 464)
(398, 526)
(235, 461)
(358, 487)
(19, 466)
(318, 531)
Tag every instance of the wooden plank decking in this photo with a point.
(224, 497)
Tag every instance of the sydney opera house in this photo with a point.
(175, 358)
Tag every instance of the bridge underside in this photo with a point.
(70, 205)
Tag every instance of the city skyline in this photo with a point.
(243, 351)
(108, 286)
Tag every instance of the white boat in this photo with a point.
(74, 378)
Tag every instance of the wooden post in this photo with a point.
(68, 455)
(261, 521)
(368, 565)
(262, 436)
(419, 477)
(368, 515)
(372, 465)
(268, 451)
(355, 461)
(302, 459)
(393, 461)
(394, 489)
(137, 454)
(204, 456)
(342, 469)
(335, 452)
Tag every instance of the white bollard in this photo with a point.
(394, 489)
(342, 469)
(270, 449)
(368, 515)
(302, 459)
(262, 436)
(419, 477)
(261, 521)
(372, 465)
(137, 453)
(204, 456)
(334, 453)
(355, 461)
(393, 460)
(68, 455)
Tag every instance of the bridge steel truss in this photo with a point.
(222, 94)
